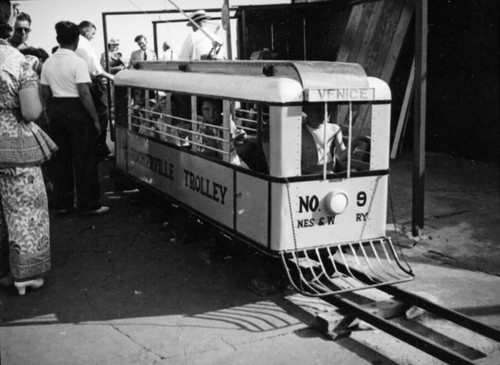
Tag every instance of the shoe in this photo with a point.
(64, 211)
(34, 284)
(102, 210)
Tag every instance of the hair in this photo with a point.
(217, 102)
(139, 37)
(67, 33)
(37, 52)
(24, 16)
(5, 12)
(85, 25)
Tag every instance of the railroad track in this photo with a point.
(396, 312)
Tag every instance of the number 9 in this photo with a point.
(361, 199)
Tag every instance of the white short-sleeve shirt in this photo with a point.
(318, 135)
(197, 44)
(62, 71)
(87, 53)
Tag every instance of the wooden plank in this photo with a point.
(368, 21)
(397, 41)
(370, 31)
(361, 31)
(382, 40)
(405, 123)
(350, 32)
(404, 110)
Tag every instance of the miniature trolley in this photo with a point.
(246, 168)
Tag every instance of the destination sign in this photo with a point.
(347, 94)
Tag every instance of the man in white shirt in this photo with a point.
(74, 124)
(87, 53)
(201, 43)
(315, 148)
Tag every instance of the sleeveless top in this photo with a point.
(22, 143)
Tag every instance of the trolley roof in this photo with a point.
(265, 81)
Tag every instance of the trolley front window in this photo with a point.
(335, 137)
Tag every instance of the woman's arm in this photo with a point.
(88, 103)
(29, 100)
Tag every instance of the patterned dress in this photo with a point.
(24, 218)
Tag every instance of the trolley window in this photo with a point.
(220, 129)
(309, 139)
(329, 132)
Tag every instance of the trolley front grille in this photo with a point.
(343, 268)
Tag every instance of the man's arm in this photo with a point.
(46, 95)
(88, 103)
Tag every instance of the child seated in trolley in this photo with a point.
(314, 148)
(209, 137)
(171, 125)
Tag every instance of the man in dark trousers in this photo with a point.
(74, 125)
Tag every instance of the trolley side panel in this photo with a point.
(252, 208)
(201, 184)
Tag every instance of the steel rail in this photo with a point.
(445, 313)
(413, 339)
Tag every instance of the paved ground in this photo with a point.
(133, 288)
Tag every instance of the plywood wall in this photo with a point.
(374, 38)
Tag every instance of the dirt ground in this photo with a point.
(136, 286)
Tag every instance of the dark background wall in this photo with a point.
(304, 31)
(463, 97)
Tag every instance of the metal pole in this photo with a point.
(228, 32)
(155, 39)
(421, 14)
(108, 81)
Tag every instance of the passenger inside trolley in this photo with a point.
(170, 121)
(238, 132)
(318, 144)
(209, 138)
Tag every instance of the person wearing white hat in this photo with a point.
(200, 43)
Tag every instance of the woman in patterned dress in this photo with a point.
(24, 218)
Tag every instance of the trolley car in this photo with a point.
(249, 176)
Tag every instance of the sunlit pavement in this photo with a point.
(132, 287)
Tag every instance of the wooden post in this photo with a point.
(421, 14)
(404, 112)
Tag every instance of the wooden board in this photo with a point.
(373, 38)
